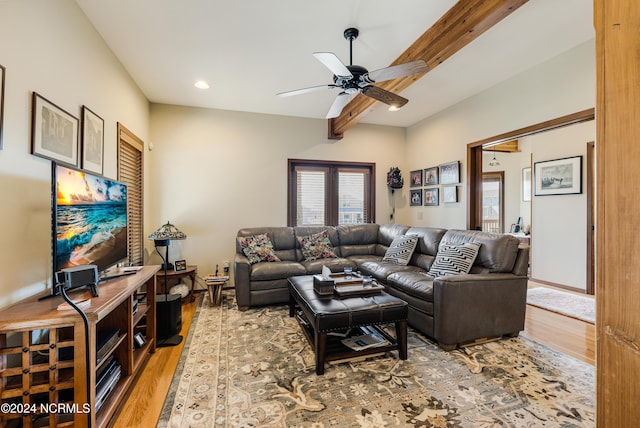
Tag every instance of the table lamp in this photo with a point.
(169, 310)
(163, 237)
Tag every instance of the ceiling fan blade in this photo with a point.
(338, 104)
(333, 63)
(306, 90)
(385, 96)
(396, 71)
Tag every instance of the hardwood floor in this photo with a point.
(144, 404)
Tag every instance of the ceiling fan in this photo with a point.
(355, 78)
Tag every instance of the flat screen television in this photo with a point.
(89, 216)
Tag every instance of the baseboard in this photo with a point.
(564, 287)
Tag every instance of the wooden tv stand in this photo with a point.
(43, 352)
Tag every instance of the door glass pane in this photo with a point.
(311, 210)
(491, 205)
(351, 198)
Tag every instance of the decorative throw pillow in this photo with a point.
(401, 250)
(258, 248)
(316, 246)
(454, 259)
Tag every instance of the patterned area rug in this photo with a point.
(256, 369)
(569, 304)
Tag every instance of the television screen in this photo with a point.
(89, 219)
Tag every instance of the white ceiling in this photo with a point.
(250, 50)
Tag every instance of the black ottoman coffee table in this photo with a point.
(321, 314)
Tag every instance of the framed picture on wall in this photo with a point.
(92, 141)
(431, 197)
(431, 176)
(416, 178)
(558, 176)
(54, 132)
(416, 198)
(450, 173)
(2, 73)
(449, 194)
(526, 184)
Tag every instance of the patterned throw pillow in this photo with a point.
(454, 259)
(258, 248)
(401, 250)
(316, 246)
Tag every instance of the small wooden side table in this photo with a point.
(191, 271)
(215, 291)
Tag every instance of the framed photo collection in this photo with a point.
(431, 178)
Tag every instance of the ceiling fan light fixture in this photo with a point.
(201, 84)
(394, 107)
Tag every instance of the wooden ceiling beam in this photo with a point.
(506, 147)
(458, 27)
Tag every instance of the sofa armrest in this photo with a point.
(473, 306)
(242, 280)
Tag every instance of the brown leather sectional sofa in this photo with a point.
(488, 302)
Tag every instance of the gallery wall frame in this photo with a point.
(526, 184)
(449, 194)
(415, 198)
(54, 132)
(92, 141)
(431, 176)
(558, 176)
(431, 197)
(450, 173)
(415, 177)
(3, 71)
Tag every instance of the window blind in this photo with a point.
(130, 172)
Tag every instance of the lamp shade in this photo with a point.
(168, 232)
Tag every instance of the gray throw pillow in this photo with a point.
(401, 250)
(454, 259)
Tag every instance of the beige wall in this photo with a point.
(49, 47)
(560, 86)
(213, 172)
(559, 222)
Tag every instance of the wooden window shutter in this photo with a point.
(130, 172)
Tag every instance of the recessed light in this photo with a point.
(201, 84)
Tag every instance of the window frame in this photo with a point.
(331, 187)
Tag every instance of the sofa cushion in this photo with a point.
(401, 250)
(415, 284)
(454, 259)
(380, 270)
(316, 246)
(334, 264)
(497, 253)
(258, 248)
(273, 271)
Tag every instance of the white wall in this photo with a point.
(49, 47)
(560, 86)
(559, 222)
(213, 172)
